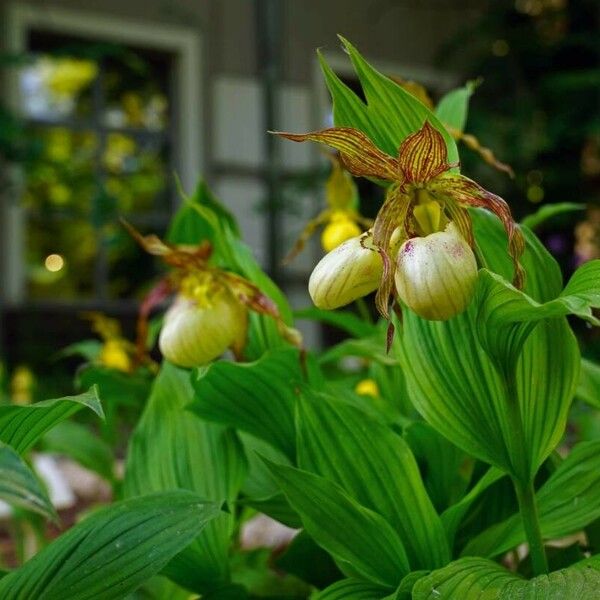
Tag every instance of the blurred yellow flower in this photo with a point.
(367, 387)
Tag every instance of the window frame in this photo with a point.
(184, 43)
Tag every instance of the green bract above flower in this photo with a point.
(425, 194)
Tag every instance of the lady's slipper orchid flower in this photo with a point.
(424, 196)
(210, 311)
(341, 218)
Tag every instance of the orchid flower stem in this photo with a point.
(523, 482)
(531, 524)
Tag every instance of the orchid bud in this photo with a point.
(436, 274)
(194, 333)
(338, 230)
(348, 272)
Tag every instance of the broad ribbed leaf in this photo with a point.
(22, 426)
(567, 502)
(390, 113)
(375, 466)
(446, 468)
(352, 589)
(113, 551)
(351, 533)
(458, 389)
(507, 316)
(20, 487)
(173, 449)
(548, 211)
(478, 578)
(453, 107)
(256, 397)
(79, 443)
(589, 383)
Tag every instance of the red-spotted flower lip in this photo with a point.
(422, 162)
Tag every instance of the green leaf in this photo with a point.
(453, 107)
(446, 468)
(22, 426)
(189, 227)
(353, 589)
(567, 502)
(113, 551)
(351, 533)
(548, 211)
(342, 319)
(173, 449)
(452, 516)
(308, 561)
(390, 114)
(257, 397)
(478, 578)
(82, 445)
(589, 383)
(507, 316)
(375, 467)
(260, 489)
(372, 347)
(459, 390)
(20, 487)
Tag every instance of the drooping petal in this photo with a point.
(358, 153)
(466, 192)
(308, 231)
(423, 155)
(391, 215)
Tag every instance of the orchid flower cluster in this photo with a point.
(421, 248)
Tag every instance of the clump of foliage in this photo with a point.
(436, 477)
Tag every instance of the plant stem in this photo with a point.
(523, 480)
(531, 524)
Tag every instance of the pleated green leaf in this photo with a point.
(352, 534)
(20, 487)
(589, 383)
(375, 467)
(507, 316)
(82, 445)
(173, 449)
(567, 502)
(22, 426)
(390, 113)
(453, 107)
(457, 387)
(257, 397)
(113, 551)
(446, 468)
(479, 578)
(352, 589)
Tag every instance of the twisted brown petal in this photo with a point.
(423, 155)
(391, 215)
(358, 153)
(306, 234)
(466, 192)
